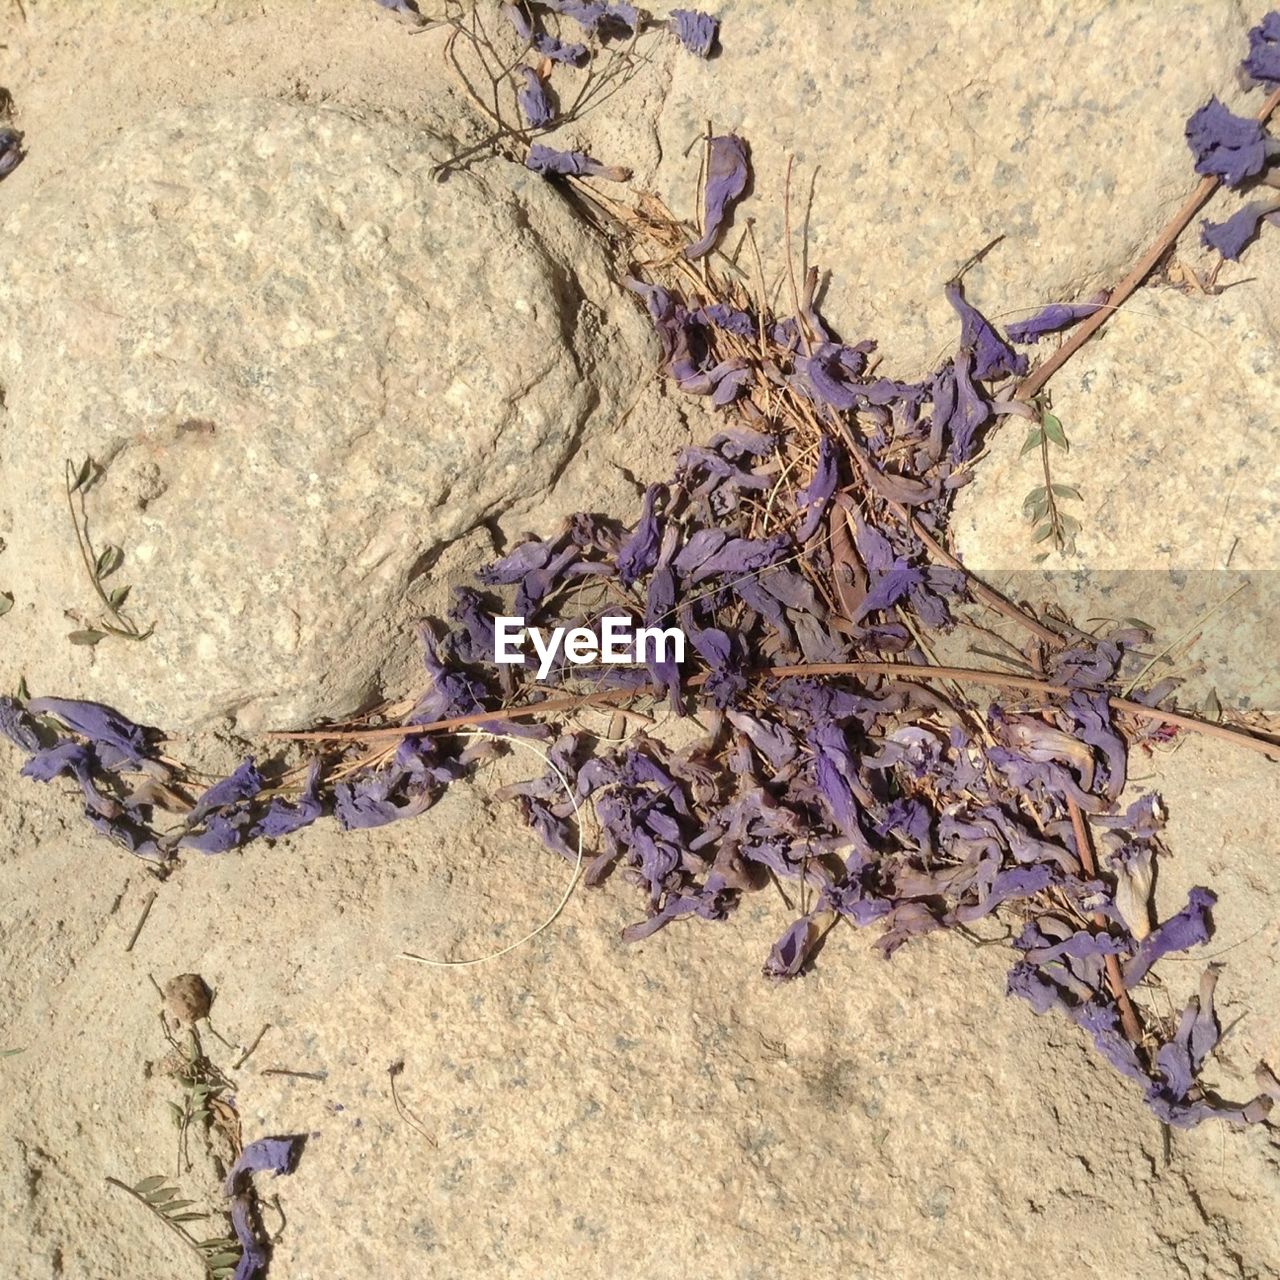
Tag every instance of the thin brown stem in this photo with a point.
(1176, 225)
(1129, 1019)
(802, 325)
(900, 670)
(981, 591)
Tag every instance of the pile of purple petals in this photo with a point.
(790, 537)
(596, 21)
(882, 802)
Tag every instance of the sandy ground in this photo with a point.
(585, 1108)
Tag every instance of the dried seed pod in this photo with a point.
(187, 998)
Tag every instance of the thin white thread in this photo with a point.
(573, 879)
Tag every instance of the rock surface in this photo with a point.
(651, 1111)
(303, 366)
(921, 132)
(644, 1112)
(1171, 416)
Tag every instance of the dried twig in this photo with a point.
(1038, 378)
(142, 919)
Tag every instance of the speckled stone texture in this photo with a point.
(919, 132)
(304, 366)
(659, 1111)
(613, 1112)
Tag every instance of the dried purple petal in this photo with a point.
(1229, 238)
(527, 557)
(571, 53)
(727, 176)
(788, 955)
(253, 1254)
(242, 784)
(576, 164)
(17, 726)
(1263, 62)
(1017, 882)
(1189, 928)
(1090, 713)
(831, 371)
(888, 588)
(282, 818)
(696, 31)
(813, 498)
(741, 556)
(554, 832)
(1181, 1058)
(1060, 315)
(267, 1155)
(223, 831)
(452, 693)
(601, 17)
(728, 379)
(369, 802)
(639, 553)
(730, 319)
(711, 902)
(549, 46)
(11, 152)
(119, 740)
(534, 99)
(78, 761)
(993, 357)
(1228, 146)
(1102, 1022)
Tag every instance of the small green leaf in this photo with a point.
(86, 470)
(1069, 524)
(109, 560)
(1212, 707)
(119, 596)
(187, 1217)
(23, 693)
(216, 1243)
(1053, 429)
(6, 602)
(89, 636)
(228, 1258)
(1068, 491)
(1043, 532)
(10, 1053)
(1038, 510)
(1035, 438)
(161, 1197)
(1041, 558)
(1037, 492)
(149, 1184)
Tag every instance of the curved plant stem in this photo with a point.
(981, 591)
(901, 670)
(1036, 380)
